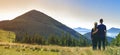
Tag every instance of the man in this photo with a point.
(101, 35)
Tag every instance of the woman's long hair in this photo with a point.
(95, 25)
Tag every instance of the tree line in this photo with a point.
(63, 40)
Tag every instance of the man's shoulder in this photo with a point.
(104, 25)
(101, 25)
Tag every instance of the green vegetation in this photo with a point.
(116, 41)
(19, 49)
(47, 46)
(7, 36)
(64, 40)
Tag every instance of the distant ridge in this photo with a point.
(113, 32)
(113, 29)
(82, 30)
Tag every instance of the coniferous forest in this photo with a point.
(64, 40)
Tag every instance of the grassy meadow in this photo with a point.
(7, 36)
(27, 49)
(7, 47)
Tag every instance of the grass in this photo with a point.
(7, 36)
(9, 48)
(24, 49)
(27, 49)
(20, 51)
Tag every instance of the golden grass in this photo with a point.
(9, 48)
(7, 36)
(28, 49)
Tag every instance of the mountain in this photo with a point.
(113, 32)
(88, 36)
(82, 30)
(37, 22)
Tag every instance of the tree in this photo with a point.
(52, 39)
(25, 38)
(37, 38)
(116, 41)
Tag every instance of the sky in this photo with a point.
(72, 13)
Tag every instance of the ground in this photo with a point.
(28, 49)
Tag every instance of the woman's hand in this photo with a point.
(95, 31)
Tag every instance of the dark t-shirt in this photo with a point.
(101, 30)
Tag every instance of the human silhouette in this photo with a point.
(94, 36)
(101, 35)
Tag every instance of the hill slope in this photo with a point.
(7, 36)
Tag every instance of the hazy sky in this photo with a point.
(73, 13)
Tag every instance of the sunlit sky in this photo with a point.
(73, 13)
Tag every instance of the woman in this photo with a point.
(94, 36)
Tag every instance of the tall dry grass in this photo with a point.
(29, 49)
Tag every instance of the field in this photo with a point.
(7, 47)
(27, 49)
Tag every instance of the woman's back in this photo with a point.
(95, 35)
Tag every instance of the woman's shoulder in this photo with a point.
(92, 29)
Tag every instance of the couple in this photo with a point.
(98, 35)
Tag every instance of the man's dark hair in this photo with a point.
(101, 20)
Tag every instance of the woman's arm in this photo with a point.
(91, 34)
(95, 31)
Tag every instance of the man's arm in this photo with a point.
(105, 31)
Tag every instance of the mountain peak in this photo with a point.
(33, 15)
(114, 31)
(33, 11)
(113, 28)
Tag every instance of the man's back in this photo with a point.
(101, 30)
